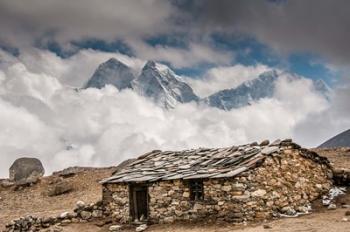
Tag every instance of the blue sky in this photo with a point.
(245, 50)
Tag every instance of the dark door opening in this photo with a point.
(139, 202)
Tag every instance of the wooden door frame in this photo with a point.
(133, 211)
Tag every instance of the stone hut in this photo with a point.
(235, 184)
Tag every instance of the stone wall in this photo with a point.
(284, 184)
(81, 214)
(169, 201)
(116, 199)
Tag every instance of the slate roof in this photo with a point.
(199, 163)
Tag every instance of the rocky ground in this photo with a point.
(35, 200)
(339, 157)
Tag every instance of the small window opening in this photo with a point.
(196, 190)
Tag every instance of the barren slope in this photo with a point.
(35, 201)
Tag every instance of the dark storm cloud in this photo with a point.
(23, 22)
(316, 26)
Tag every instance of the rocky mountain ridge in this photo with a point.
(159, 83)
(340, 140)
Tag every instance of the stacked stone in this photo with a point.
(169, 201)
(82, 213)
(117, 203)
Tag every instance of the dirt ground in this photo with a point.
(338, 157)
(35, 201)
(330, 221)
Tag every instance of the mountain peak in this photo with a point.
(322, 87)
(340, 140)
(245, 93)
(160, 83)
(150, 64)
(112, 72)
(113, 62)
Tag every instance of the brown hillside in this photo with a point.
(35, 201)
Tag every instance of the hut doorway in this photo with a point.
(139, 202)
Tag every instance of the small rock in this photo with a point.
(267, 227)
(68, 172)
(287, 140)
(72, 215)
(347, 213)
(75, 220)
(64, 215)
(269, 150)
(303, 209)
(288, 211)
(115, 228)
(197, 206)
(97, 213)
(85, 215)
(332, 206)
(265, 143)
(47, 220)
(344, 219)
(65, 222)
(60, 188)
(186, 194)
(226, 188)
(142, 227)
(168, 219)
(259, 193)
(276, 142)
(7, 183)
(80, 204)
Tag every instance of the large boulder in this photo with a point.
(26, 170)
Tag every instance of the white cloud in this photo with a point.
(22, 82)
(104, 127)
(319, 127)
(24, 134)
(74, 71)
(225, 77)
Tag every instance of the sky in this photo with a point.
(49, 48)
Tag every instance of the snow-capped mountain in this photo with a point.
(242, 95)
(159, 83)
(111, 72)
(156, 81)
(162, 85)
(254, 90)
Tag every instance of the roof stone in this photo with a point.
(202, 162)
